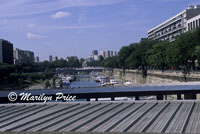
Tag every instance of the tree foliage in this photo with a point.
(179, 54)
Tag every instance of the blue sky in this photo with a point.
(76, 27)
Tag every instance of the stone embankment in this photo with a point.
(153, 76)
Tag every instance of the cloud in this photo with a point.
(31, 25)
(31, 7)
(77, 27)
(59, 15)
(34, 36)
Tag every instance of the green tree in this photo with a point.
(61, 84)
(47, 84)
(157, 55)
(54, 82)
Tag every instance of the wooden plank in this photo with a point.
(111, 123)
(177, 123)
(194, 122)
(133, 118)
(146, 119)
(60, 121)
(86, 118)
(85, 126)
(159, 124)
(7, 126)
(51, 113)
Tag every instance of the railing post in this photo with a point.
(112, 98)
(137, 97)
(179, 97)
(159, 97)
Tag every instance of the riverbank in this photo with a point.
(153, 77)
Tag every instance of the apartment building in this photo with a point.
(193, 23)
(6, 52)
(23, 57)
(174, 26)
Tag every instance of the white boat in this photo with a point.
(113, 81)
(127, 83)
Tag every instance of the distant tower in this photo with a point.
(50, 58)
(56, 58)
(6, 52)
(37, 59)
(107, 54)
(111, 54)
(95, 52)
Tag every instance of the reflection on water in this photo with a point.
(84, 80)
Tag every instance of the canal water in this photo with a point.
(84, 80)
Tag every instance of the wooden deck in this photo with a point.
(116, 117)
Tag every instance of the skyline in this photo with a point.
(76, 27)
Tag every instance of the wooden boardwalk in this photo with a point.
(142, 116)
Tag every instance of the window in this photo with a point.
(196, 24)
(188, 26)
(193, 24)
(199, 22)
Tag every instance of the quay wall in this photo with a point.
(153, 76)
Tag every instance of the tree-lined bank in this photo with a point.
(181, 54)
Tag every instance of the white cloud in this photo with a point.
(34, 36)
(59, 15)
(30, 7)
(77, 27)
(31, 25)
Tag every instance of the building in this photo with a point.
(23, 57)
(6, 52)
(107, 53)
(37, 59)
(103, 53)
(111, 53)
(95, 52)
(84, 64)
(55, 58)
(174, 26)
(115, 53)
(50, 58)
(193, 23)
(96, 57)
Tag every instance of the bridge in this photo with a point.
(79, 70)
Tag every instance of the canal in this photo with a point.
(84, 80)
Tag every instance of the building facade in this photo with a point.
(95, 52)
(37, 60)
(107, 53)
(103, 53)
(6, 52)
(50, 58)
(23, 57)
(174, 26)
(193, 23)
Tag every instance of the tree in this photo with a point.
(54, 82)
(47, 84)
(124, 53)
(73, 61)
(61, 84)
(157, 55)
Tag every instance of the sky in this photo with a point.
(76, 27)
